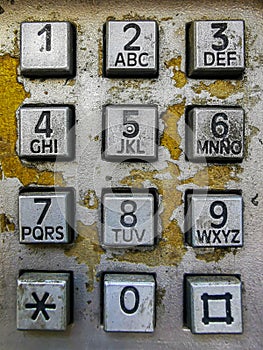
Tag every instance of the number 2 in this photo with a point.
(137, 28)
(219, 34)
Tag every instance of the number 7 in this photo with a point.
(47, 202)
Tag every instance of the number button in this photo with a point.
(214, 220)
(43, 301)
(129, 303)
(130, 132)
(213, 304)
(216, 49)
(46, 133)
(47, 49)
(131, 49)
(215, 134)
(128, 217)
(46, 216)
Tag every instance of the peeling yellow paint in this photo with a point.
(87, 250)
(216, 255)
(220, 88)
(6, 224)
(90, 200)
(171, 138)
(12, 96)
(215, 176)
(178, 76)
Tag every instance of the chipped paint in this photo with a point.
(87, 250)
(90, 200)
(171, 138)
(215, 176)
(12, 96)
(220, 88)
(215, 255)
(6, 224)
(178, 75)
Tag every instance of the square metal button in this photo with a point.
(46, 133)
(129, 303)
(131, 49)
(43, 301)
(128, 217)
(214, 220)
(130, 132)
(213, 304)
(46, 216)
(47, 49)
(216, 49)
(215, 134)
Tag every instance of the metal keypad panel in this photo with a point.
(214, 220)
(44, 301)
(128, 217)
(46, 133)
(129, 303)
(131, 49)
(47, 49)
(130, 132)
(213, 304)
(46, 216)
(215, 134)
(216, 49)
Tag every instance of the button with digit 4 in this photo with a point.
(46, 132)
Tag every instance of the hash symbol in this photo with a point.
(228, 318)
(40, 306)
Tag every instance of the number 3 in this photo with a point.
(219, 34)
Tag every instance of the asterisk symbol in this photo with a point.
(40, 306)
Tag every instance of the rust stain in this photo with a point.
(178, 76)
(90, 200)
(6, 224)
(87, 250)
(171, 138)
(12, 95)
(220, 88)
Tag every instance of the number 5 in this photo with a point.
(131, 127)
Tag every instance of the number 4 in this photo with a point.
(45, 119)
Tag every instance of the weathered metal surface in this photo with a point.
(172, 91)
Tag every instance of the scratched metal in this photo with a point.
(88, 174)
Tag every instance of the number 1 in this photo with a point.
(47, 30)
